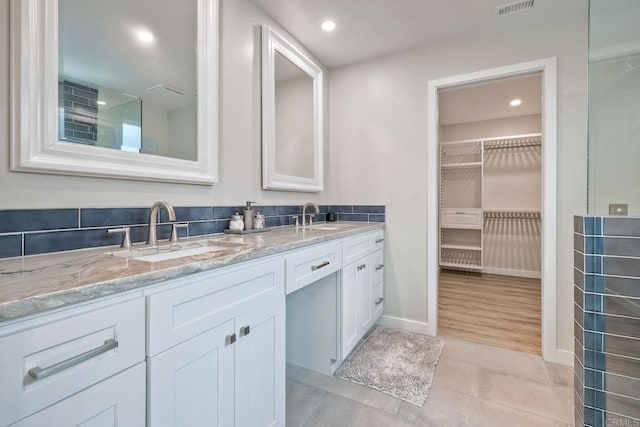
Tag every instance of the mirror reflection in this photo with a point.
(127, 75)
(294, 119)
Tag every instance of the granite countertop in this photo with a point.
(30, 285)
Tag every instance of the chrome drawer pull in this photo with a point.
(379, 267)
(39, 373)
(380, 240)
(461, 213)
(379, 301)
(318, 267)
(245, 330)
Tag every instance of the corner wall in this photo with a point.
(378, 122)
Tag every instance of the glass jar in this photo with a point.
(258, 221)
(237, 222)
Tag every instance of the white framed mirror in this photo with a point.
(117, 89)
(292, 117)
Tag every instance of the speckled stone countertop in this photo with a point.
(31, 285)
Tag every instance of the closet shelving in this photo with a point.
(461, 187)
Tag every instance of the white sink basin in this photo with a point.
(178, 250)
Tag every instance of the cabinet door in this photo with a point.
(116, 401)
(364, 312)
(260, 366)
(349, 308)
(192, 383)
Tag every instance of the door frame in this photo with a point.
(548, 67)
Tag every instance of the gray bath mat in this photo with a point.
(395, 362)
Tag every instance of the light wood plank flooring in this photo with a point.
(498, 310)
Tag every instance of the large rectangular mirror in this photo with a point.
(291, 117)
(118, 88)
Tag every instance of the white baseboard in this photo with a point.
(405, 324)
(564, 357)
(511, 272)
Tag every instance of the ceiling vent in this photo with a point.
(511, 8)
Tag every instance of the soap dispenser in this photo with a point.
(248, 216)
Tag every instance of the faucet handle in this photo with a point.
(126, 236)
(297, 220)
(174, 230)
(311, 216)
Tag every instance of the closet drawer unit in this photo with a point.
(377, 299)
(461, 218)
(378, 267)
(357, 247)
(203, 301)
(306, 266)
(52, 361)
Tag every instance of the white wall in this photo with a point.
(240, 151)
(378, 120)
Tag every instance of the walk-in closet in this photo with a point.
(490, 212)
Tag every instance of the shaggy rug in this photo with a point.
(395, 362)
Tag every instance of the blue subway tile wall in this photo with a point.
(607, 321)
(40, 231)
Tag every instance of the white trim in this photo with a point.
(273, 42)
(34, 106)
(530, 274)
(564, 357)
(404, 324)
(548, 67)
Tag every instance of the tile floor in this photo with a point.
(474, 385)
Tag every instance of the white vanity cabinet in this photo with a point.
(361, 287)
(65, 360)
(216, 347)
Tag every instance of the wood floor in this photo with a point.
(503, 311)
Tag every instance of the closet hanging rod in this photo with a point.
(505, 146)
(512, 215)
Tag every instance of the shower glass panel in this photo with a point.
(614, 105)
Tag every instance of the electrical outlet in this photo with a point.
(619, 209)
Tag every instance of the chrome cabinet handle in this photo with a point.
(379, 301)
(39, 373)
(230, 339)
(245, 330)
(319, 266)
(379, 267)
(461, 213)
(362, 267)
(380, 240)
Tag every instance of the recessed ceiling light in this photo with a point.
(328, 26)
(515, 102)
(145, 36)
(101, 103)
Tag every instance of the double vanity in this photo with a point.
(199, 330)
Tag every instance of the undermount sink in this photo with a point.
(178, 250)
(329, 227)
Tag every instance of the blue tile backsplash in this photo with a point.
(39, 231)
(607, 321)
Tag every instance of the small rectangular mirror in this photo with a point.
(291, 117)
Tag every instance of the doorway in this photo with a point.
(469, 247)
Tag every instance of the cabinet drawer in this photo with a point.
(203, 301)
(378, 300)
(117, 401)
(377, 272)
(356, 247)
(461, 218)
(51, 361)
(305, 266)
(378, 240)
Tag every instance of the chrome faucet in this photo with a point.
(152, 237)
(304, 212)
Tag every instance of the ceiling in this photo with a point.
(371, 28)
(490, 100)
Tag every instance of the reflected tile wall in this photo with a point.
(607, 321)
(39, 231)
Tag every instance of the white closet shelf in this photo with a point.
(460, 265)
(463, 247)
(461, 165)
